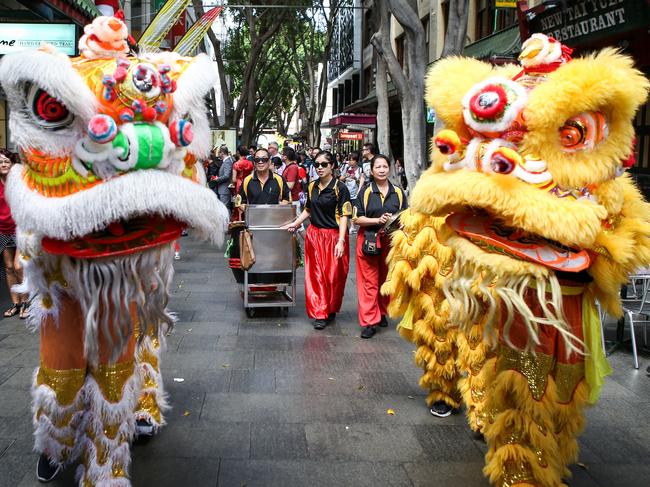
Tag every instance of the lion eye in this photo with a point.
(583, 132)
(47, 111)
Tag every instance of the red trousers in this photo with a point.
(371, 274)
(325, 275)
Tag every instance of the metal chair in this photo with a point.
(634, 310)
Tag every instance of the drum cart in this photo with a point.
(271, 281)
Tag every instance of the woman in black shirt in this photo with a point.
(376, 202)
(327, 253)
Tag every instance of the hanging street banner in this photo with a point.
(20, 37)
(590, 19)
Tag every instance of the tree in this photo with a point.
(310, 38)
(456, 27)
(409, 81)
(381, 25)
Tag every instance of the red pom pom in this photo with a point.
(149, 114)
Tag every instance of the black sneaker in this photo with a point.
(368, 331)
(383, 322)
(441, 409)
(331, 317)
(45, 472)
(144, 428)
(319, 324)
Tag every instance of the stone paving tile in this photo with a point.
(7, 372)
(278, 441)
(200, 439)
(339, 382)
(312, 473)
(252, 381)
(363, 442)
(447, 474)
(442, 442)
(630, 475)
(194, 472)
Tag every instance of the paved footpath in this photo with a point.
(271, 402)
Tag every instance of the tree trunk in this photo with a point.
(456, 27)
(382, 24)
(409, 83)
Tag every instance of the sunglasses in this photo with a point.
(321, 164)
(261, 159)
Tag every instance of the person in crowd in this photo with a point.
(291, 173)
(212, 168)
(367, 154)
(313, 174)
(276, 159)
(327, 253)
(352, 177)
(400, 173)
(242, 168)
(263, 187)
(376, 203)
(251, 152)
(220, 183)
(10, 257)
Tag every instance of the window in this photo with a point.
(490, 19)
(399, 47)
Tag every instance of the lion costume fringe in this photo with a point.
(109, 142)
(525, 219)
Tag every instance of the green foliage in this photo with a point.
(281, 73)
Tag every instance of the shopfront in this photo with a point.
(351, 131)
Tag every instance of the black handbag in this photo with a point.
(371, 243)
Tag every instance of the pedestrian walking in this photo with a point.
(351, 176)
(375, 204)
(400, 173)
(291, 173)
(367, 154)
(221, 182)
(327, 251)
(263, 187)
(13, 271)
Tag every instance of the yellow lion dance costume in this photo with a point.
(525, 219)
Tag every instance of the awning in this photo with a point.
(503, 44)
(365, 120)
(80, 11)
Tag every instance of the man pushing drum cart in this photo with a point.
(262, 256)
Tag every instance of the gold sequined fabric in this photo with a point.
(534, 367)
(111, 379)
(567, 377)
(65, 383)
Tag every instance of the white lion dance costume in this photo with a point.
(525, 220)
(109, 142)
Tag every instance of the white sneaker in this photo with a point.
(177, 256)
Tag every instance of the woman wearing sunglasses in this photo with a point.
(327, 253)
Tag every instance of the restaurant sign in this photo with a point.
(585, 20)
(506, 4)
(350, 135)
(20, 37)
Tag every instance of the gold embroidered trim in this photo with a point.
(534, 367)
(516, 472)
(111, 379)
(567, 378)
(65, 383)
(149, 405)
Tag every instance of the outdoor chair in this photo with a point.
(634, 308)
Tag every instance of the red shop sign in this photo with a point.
(350, 135)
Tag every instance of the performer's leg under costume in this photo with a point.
(83, 410)
(411, 283)
(153, 399)
(536, 405)
(325, 275)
